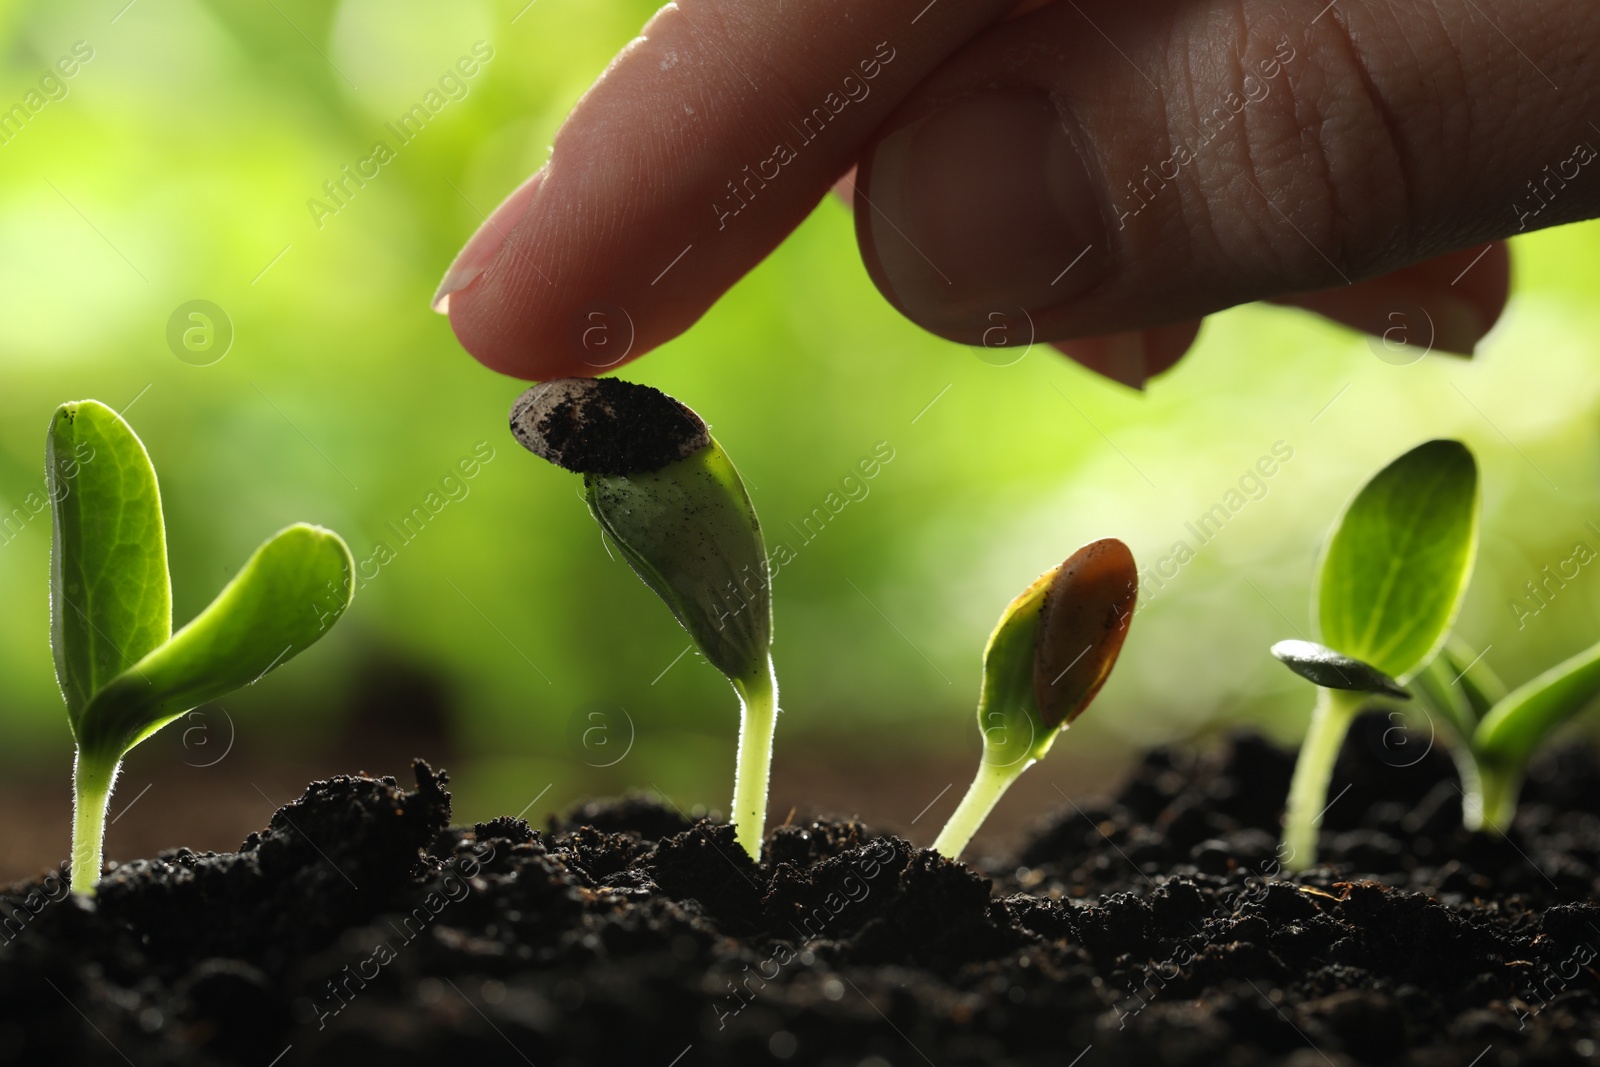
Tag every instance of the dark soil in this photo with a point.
(1153, 927)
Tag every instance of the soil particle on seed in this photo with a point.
(1151, 927)
(605, 426)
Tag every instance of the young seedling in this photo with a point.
(123, 673)
(1052, 650)
(667, 495)
(1389, 584)
(1497, 731)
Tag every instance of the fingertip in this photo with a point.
(506, 310)
(1445, 304)
(486, 243)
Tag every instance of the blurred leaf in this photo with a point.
(293, 588)
(1008, 709)
(1509, 734)
(110, 598)
(1395, 569)
(1441, 692)
(1478, 682)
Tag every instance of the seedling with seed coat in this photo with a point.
(1052, 650)
(670, 499)
(1389, 584)
(123, 673)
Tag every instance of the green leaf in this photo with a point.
(1440, 688)
(293, 588)
(1394, 572)
(1335, 670)
(1008, 709)
(1478, 682)
(1508, 735)
(690, 532)
(110, 597)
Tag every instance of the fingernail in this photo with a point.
(1457, 326)
(985, 206)
(482, 248)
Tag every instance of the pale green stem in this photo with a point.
(985, 792)
(757, 720)
(1496, 800)
(1308, 790)
(1471, 775)
(92, 780)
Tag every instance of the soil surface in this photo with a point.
(1150, 927)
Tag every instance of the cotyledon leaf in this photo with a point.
(110, 596)
(1394, 571)
(1519, 723)
(291, 591)
(671, 500)
(690, 532)
(1478, 682)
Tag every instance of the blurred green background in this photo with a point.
(177, 165)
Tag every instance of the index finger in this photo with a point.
(708, 139)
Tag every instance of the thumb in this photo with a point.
(1101, 166)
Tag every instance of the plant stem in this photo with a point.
(1472, 776)
(987, 788)
(92, 780)
(757, 721)
(1496, 799)
(1308, 791)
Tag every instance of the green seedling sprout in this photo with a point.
(1052, 650)
(123, 673)
(1497, 731)
(1389, 584)
(670, 499)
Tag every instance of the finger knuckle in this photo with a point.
(1306, 149)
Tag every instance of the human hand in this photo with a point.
(1101, 172)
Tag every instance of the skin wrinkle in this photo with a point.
(1206, 160)
(1430, 96)
(1316, 212)
(1092, 159)
(1401, 236)
(1230, 168)
(1194, 210)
